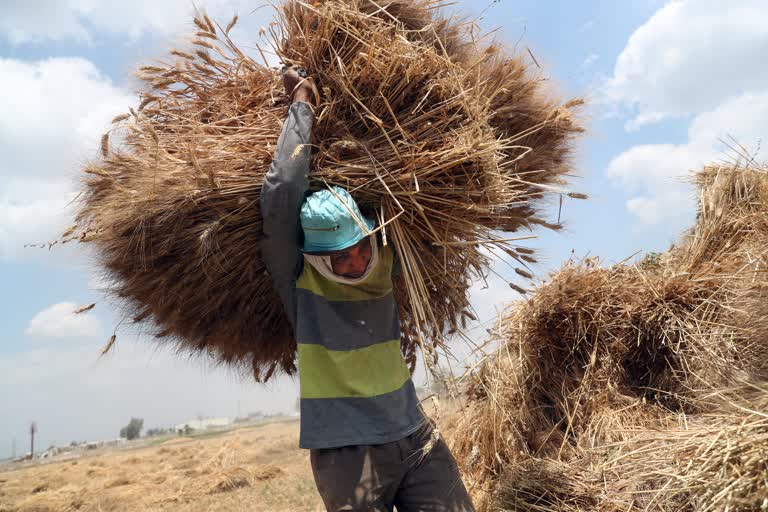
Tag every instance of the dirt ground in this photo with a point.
(257, 468)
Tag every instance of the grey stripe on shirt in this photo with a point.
(334, 422)
(346, 325)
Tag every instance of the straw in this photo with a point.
(638, 387)
(448, 139)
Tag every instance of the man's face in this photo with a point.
(353, 261)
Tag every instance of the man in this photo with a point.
(369, 441)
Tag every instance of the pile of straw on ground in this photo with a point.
(636, 387)
(443, 137)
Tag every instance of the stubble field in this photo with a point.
(255, 468)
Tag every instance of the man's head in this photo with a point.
(353, 261)
(334, 228)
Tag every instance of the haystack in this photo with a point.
(711, 462)
(731, 231)
(592, 353)
(717, 461)
(646, 382)
(445, 139)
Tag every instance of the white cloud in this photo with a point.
(57, 20)
(590, 59)
(655, 173)
(82, 20)
(690, 56)
(692, 59)
(60, 321)
(54, 113)
(32, 211)
(24, 22)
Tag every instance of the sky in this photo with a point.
(665, 82)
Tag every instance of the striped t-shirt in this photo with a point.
(355, 388)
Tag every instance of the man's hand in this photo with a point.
(298, 86)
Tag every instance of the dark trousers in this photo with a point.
(398, 474)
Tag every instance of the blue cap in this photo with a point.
(328, 224)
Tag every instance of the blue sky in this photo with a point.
(664, 81)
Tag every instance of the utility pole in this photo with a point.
(32, 431)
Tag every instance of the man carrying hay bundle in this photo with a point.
(371, 446)
(448, 139)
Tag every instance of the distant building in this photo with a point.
(204, 424)
(51, 452)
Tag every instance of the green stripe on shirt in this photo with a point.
(365, 372)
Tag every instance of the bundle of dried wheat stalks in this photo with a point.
(639, 386)
(445, 139)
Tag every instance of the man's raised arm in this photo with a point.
(284, 188)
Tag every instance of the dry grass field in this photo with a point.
(251, 468)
